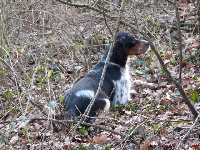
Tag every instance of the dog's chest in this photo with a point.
(122, 87)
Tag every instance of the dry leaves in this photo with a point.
(100, 139)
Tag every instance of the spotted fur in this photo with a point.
(122, 87)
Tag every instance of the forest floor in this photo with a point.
(155, 118)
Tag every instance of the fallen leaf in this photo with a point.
(145, 145)
(24, 142)
(99, 139)
(196, 146)
(165, 102)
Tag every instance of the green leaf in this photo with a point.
(139, 62)
(113, 107)
(119, 105)
(29, 78)
(58, 76)
(195, 77)
(79, 46)
(80, 148)
(185, 24)
(10, 108)
(195, 97)
(109, 146)
(161, 108)
(40, 81)
(192, 57)
(173, 63)
(161, 52)
(132, 107)
(180, 123)
(127, 1)
(45, 58)
(83, 130)
(49, 74)
(149, 107)
(12, 125)
(159, 73)
(61, 99)
(18, 50)
(3, 137)
(8, 94)
(38, 70)
(155, 127)
(7, 51)
(136, 132)
(24, 131)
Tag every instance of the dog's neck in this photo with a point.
(118, 56)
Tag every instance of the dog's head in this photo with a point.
(131, 45)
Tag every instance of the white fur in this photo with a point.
(122, 90)
(107, 106)
(122, 87)
(90, 94)
(85, 93)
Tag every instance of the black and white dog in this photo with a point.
(116, 83)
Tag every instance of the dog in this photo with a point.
(116, 84)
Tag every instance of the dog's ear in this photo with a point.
(119, 55)
(121, 41)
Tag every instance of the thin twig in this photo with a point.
(128, 136)
(105, 20)
(183, 138)
(6, 64)
(120, 15)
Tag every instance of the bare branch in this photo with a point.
(180, 42)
